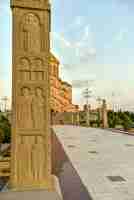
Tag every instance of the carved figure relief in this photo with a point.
(31, 70)
(31, 109)
(31, 33)
(38, 108)
(31, 115)
(31, 141)
(32, 165)
(24, 115)
(24, 69)
(24, 164)
(37, 70)
(37, 157)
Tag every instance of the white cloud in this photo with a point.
(79, 50)
(77, 23)
(60, 38)
(87, 32)
(84, 83)
(120, 36)
(2, 88)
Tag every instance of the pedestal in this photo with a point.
(30, 195)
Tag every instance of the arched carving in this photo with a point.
(28, 71)
(31, 141)
(39, 64)
(24, 69)
(31, 115)
(38, 70)
(24, 63)
(32, 151)
(29, 107)
(38, 108)
(24, 115)
(31, 33)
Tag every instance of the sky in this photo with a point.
(94, 40)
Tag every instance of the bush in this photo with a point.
(126, 123)
(112, 119)
(5, 129)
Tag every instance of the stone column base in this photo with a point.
(49, 185)
(32, 193)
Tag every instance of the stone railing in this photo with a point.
(5, 167)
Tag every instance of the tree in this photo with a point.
(126, 121)
(1, 137)
(111, 119)
(5, 129)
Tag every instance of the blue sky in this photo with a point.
(93, 40)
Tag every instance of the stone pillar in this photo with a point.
(72, 118)
(104, 114)
(78, 118)
(99, 117)
(31, 144)
(87, 109)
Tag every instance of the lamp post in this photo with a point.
(99, 100)
(87, 95)
(72, 118)
(5, 101)
(104, 114)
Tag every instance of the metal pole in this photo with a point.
(99, 111)
(5, 100)
(87, 95)
(78, 118)
(88, 116)
(72, 118)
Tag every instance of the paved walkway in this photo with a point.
(98, 154)
(29, 195)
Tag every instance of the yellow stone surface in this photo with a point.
(31, 136)
(104, 114)
(60, 91)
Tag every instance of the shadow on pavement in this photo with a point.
(71, 185)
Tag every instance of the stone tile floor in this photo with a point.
(29, 195)
(98, 154)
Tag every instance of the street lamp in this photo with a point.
(87, 95)
(5, 101)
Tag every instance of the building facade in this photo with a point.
(60, 91)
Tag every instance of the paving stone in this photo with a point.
(29, 195)
(114, 158)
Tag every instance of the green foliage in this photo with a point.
(5, 129)
(126, 119)
(112, 119)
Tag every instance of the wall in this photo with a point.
(61, 91)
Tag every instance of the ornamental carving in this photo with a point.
(31, 33)
(31, 109)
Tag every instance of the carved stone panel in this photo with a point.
(24, 114)
(34, 4)
(31, 69)
(38, 70)
(31, 33)
(31, 108)
(31, 145)
(31, 150)
(24, 69)
(38, 108)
